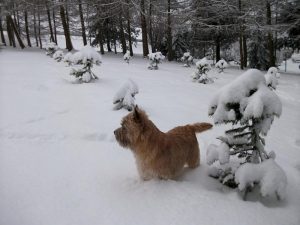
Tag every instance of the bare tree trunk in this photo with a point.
(69, 45)
(150, 27)
(144, 29)
(241, 39)
(10, 33)
(39, 29)
(14, 28)
(218, 49)
(50, 25)
(107, 35)
(54, 26)
(129, 30)
(245, 52)
(122, 36)
(270, 37)
(82, 23)
(2, 34)
(169, 34)
(27, 29)
(34, 29)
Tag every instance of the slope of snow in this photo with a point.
(60, 163)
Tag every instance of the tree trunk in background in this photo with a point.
(169, 34)
(2, 34)
(129, 30)
(144, 30)
(218, 49)
(39, 29)
(122, 36)
(115, 41)
(67, 18)
(241, 40)
(54, 26)
(150, 28)
(101, 42)
(245, 53)
(69, 45)
(270, 37)
(50, 25)
(10, 33)
(107, 34)
(15, 30)
(82, 23)
(27, 29)
(34, 29)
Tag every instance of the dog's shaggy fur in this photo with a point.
(159, 155)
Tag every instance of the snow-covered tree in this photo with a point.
(155, 58)
(272, 77)
(85, 58)
(58, 55)
(201, 75)
(125, 97)
(221, 65)
(68, 58)
(51, 48)
(250, 106)
(187, 59)
(127, 56)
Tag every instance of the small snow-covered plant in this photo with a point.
(272, 77)
(58, 55)
(125, 97)
(51, 48)
(127, 57)
(86, 58)
(200, 75)
(250, 106)
(68, 58)
(155, 58)
(221, 65)
(187, 59)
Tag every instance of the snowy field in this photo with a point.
(61, 165)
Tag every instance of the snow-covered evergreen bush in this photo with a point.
(250, 106)
(200, 75)
(51, 48)
(58, 55)
(257, 51)
(85, 58)
(272, 77)
(187, 59)
(221, 65)
(155, 58)
(68, 58)
(127, 56)
(125, 97)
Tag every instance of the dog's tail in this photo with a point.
(200, 127)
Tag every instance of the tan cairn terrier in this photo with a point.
(159, 155)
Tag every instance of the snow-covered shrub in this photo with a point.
(155, 58)
(68, 58)
(250, 106)
(127, 56)
(201, 74)
(187, 59)
(86, 58)
(58, 55)
(221, 65)
(51, 48)
(124, 98)
(272, 77)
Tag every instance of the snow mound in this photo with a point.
(127, 57)
(51, 46)
(221, 65)
(87, 54)
(268, 174)
(68, 58)
(272, 77)
(187, 59)
(58, 55)
(219, 153)
(203, 63)
(246, 97)
(156, 56)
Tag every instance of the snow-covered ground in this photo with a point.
(60, 163)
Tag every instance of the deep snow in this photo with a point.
(60, 163)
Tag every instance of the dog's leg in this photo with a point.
(193, 158)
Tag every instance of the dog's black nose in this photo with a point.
(115, 131)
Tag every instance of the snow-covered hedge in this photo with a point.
(155, 58)
(68, 58)
(187, 59)
(51, 48)
(127, 56)
(201, 75)
(250, 106)
(272, 77)
(86, 58)
(221, 65)
(58, 55)
(125, 97)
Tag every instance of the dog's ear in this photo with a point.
(136, 114)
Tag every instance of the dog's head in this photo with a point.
(131, 128)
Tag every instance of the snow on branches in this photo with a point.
(51, 48)
(58, 55)
(272, 77)
(187, 59)
(221, 65)
(250, 106)
(125, 97)
(86, 57)
(155, 58)
(201, 75)
(127, 57)
(68, 58)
